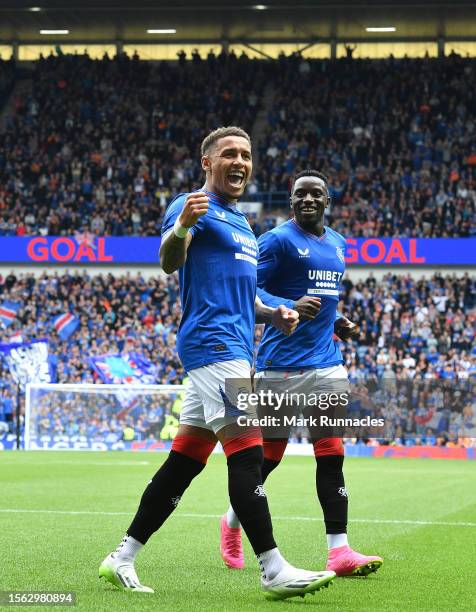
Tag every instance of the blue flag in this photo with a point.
(125, 368)
(8, 312)
(65, 324)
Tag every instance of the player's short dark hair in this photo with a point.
(310, 172)
(222, 132)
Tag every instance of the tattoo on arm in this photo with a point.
(263, 314)
(173, 251)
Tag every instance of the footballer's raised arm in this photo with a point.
(176, 240)
(173, 251)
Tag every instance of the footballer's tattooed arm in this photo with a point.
(173, 249)
(263, 314)
(282, 318)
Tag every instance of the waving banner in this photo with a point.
(8, 312)
(125, 368)
(28, 362)
(65, 325)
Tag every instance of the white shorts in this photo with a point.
(210, 396)
(302, 381)
(291, 394)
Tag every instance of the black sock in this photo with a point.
(331, 491)
(245, 487)
(268, 466)
(162, 494)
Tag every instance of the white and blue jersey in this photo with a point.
(294, 263)
(217, 285)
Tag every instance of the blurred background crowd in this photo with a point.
(410, 329)
(102, 146)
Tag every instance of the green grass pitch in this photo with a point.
(420, 515)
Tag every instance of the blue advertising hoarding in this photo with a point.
(136, 250)
(85, 443)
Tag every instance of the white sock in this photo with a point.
(271, 562)
(336, 540)
(231, 519)
(128, 549)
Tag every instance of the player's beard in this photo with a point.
(311, 222)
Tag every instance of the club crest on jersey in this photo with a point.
(303, 253)
(340, 254)
(220, 214)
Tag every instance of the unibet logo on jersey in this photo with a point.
(294, 263)
(327, 282)
(248, 248)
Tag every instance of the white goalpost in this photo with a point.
(96, 416)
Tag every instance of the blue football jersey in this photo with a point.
(217, 285)
(293, 263)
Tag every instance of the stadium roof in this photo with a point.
(213, 20)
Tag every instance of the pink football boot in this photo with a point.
(230, 545)
(346, 562)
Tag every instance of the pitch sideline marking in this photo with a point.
(73, 463)
(217, 516)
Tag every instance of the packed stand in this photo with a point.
(410, 330)
(103, 146)
(118, 315)
(397, 139)
(417, 353)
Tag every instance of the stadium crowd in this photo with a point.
(395, 137)
(102, 146)
(410, 329)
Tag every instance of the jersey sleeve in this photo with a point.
(172, 213)
(270, 251)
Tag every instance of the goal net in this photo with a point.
(101, 417)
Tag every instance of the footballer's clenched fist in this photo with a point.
(196, 205)
(285, 319)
